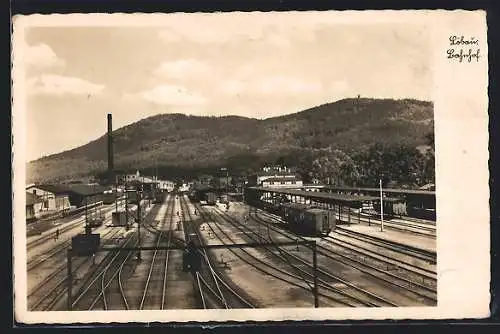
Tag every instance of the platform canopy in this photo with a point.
(326, 197)
(385, 190)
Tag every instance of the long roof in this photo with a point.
(286, 178)
(387, 190)
(80, 189)
(326, 196)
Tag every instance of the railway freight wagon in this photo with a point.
(270, 207)
(391, 207)
(211, 198)
(318, 221)
(304, 219)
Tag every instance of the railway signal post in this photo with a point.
(116, 198)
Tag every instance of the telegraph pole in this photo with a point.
(126, 207)
(139, 222)
(88, 229)
(381, 208)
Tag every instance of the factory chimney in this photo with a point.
(110, 149)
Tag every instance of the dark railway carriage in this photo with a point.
(160, 197)
(290, 210)
(109, 197)
(318, 221)
(308, 220)
(132, 197)
(211, 198)
(392, 207)
(274, 208)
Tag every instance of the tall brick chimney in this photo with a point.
(111, 178)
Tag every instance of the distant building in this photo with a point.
(33, 206)
(52, 197)
(275, 177)
(166, 185)
(57, 197)
(204, 181)
(128, 178)
(285, 182)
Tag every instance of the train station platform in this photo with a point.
(417, 241)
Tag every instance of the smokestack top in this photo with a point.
(110, 148)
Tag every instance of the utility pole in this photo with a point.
(381, 208)
(126, 208)
(139, 223)
(87, 226)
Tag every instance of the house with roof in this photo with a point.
(57, 197)
(52, 197)
(33, 206)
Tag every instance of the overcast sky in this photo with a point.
(253, 66)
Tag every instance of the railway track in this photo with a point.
(303, 272)
(408, 250)
(104, 288)
(417, 228)
(214, 290)
(44, 256)
(408, 286)
(96, 299)
(66, 227)
(57, 278)
(51, 292)
(156, 280)
(386, 256)
(329, 282)
(418, 253)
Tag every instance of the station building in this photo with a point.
(275, 176)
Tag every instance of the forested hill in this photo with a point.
(178, 142)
